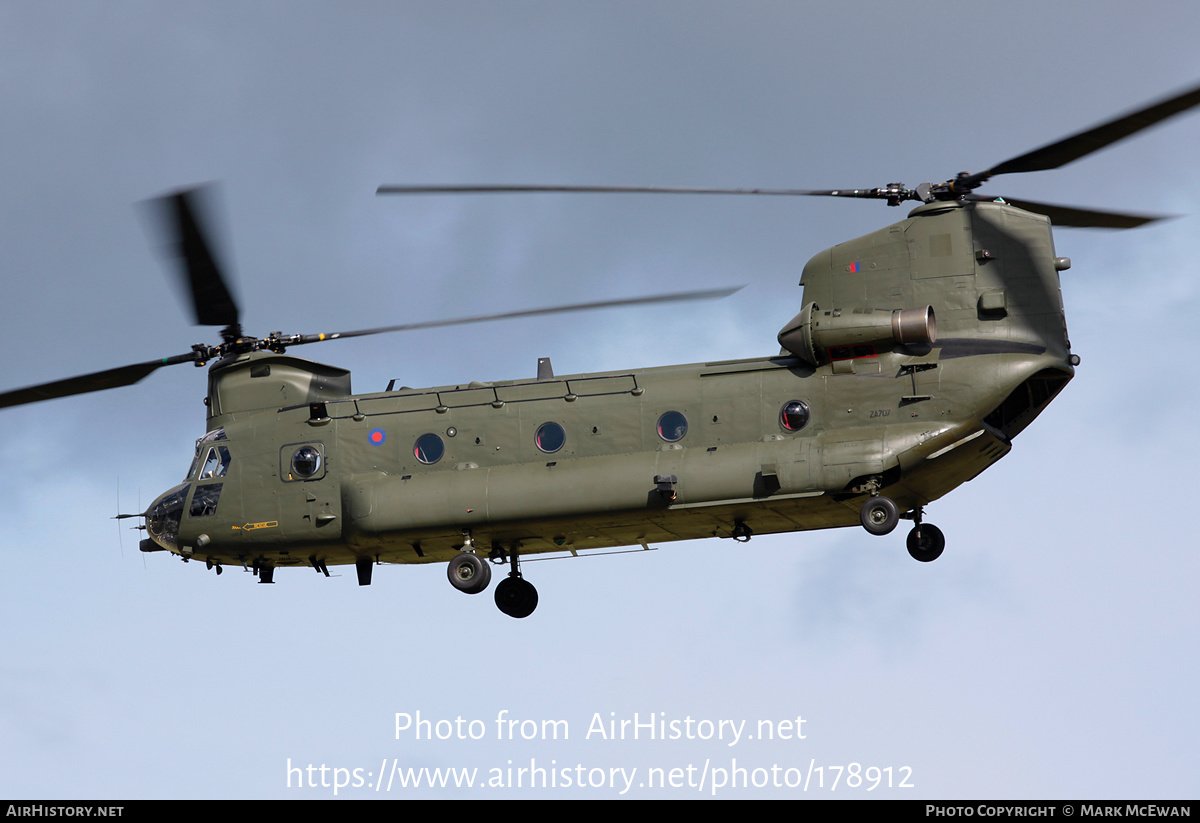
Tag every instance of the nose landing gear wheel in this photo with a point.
(926, 542)
(516, 597)
(468, 573)
(879, 515)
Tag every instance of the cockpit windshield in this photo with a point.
(165, 516)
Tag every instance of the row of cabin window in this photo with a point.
(550, 437)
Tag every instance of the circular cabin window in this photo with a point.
(550, 437)
(429, 448)
(306, 461)
(672, 426)
(794, 415)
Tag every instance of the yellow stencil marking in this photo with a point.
(267, 524)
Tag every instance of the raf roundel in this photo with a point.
(377, 437)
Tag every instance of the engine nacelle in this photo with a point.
(812, 333)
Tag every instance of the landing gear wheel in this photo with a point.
(879, 515)
(468, 573)
(516, 597)
(926, 542)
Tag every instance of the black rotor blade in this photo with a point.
(1079, 145)
(708, 294)
(85, 383)
(515, 189)
(181, 224)
(1080, 218)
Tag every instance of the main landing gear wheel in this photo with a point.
(879, 515)
(516, 597)
(469, 573)
(926, 542)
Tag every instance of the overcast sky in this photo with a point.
(1050, 652)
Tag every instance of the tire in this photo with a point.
(516, 597)
(469, 573)
(879, 515)
(926, 542)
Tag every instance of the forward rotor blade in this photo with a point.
(676, 297)
(181, 225)
(85, 383)
(1079, 145)
(1079, 218)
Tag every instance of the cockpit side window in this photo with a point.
(216, 463)
(221, 458)
(210, 465)
(204, 501)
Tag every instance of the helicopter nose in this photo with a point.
(165, 515)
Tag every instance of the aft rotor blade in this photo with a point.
(1079, 145)
(1075, 217)
(516, 189)
(85, 383)
(188, 242)
(676, 297)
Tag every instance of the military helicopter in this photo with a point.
(919, 352)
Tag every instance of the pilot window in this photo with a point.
(216, 463)
(203, 452)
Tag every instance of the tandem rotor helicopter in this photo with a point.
(919, 352)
